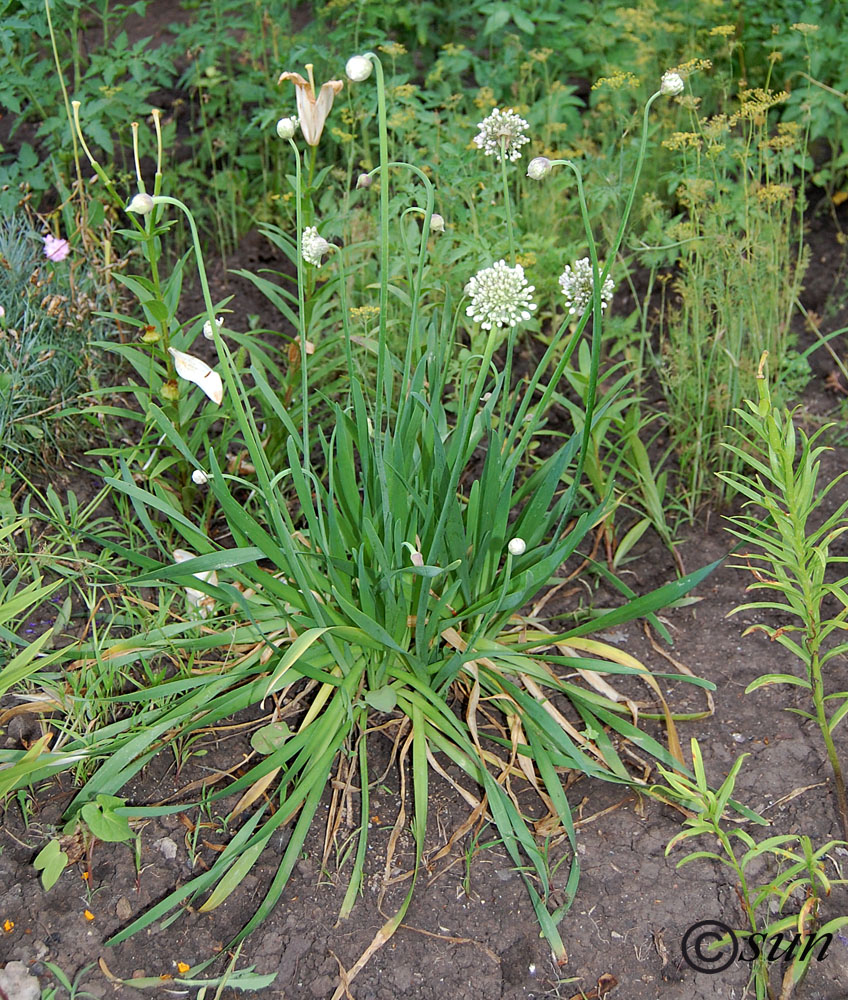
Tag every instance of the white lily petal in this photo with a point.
(197, 598)
(192, 369)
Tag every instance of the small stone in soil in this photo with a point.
(167, 847)
(15, 981)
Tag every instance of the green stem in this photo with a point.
(507, 204)
(384, 238)
(301, 296)
(70, 116)
(827, 736)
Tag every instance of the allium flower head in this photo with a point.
(502, 135)
(56, 249)
(141, 204)
(207, 327)
(358, 68)
(286, 127)
(538, 167)
(500, 296)
(517, 546)
(671, 84)
(437, 223)
(313, 246)
(577, 285)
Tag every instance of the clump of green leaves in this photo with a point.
(791, 556)
(45, 334)
(800, 877)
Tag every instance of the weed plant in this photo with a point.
(790, 557)
(800, 880)
(46, 356)
(740, 259)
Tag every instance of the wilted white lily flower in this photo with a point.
(286, 127)
(141, 204)
(437, 223)
(577, 285)
(199, 477)
(671, 84)
(517, 546)
(538, 167)
(207, 327)
(500, 296)
(196, 598)
(312, 111)
(502, 135)
(358, 68)
(192, 369)
(313, 246)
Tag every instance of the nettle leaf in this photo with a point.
(100, 817)
(51, 861)
(270, 738)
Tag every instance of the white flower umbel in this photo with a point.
(358, 68)
(502, 135)
(207, 327)
(192, 369)
(577, 285)
(500, 296)
(313, 246)
(671, 84)
(286, 127)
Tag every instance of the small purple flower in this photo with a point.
(56, 249)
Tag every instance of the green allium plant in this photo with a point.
(381, 567)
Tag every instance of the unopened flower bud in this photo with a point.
(671, 84)
(286, 127)
(364, 181)
(358, 68)
(437, 223)
(170, 390)
(538, 168)
(517, 546)
(199, 477)
(142, 204)
(207, 327)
